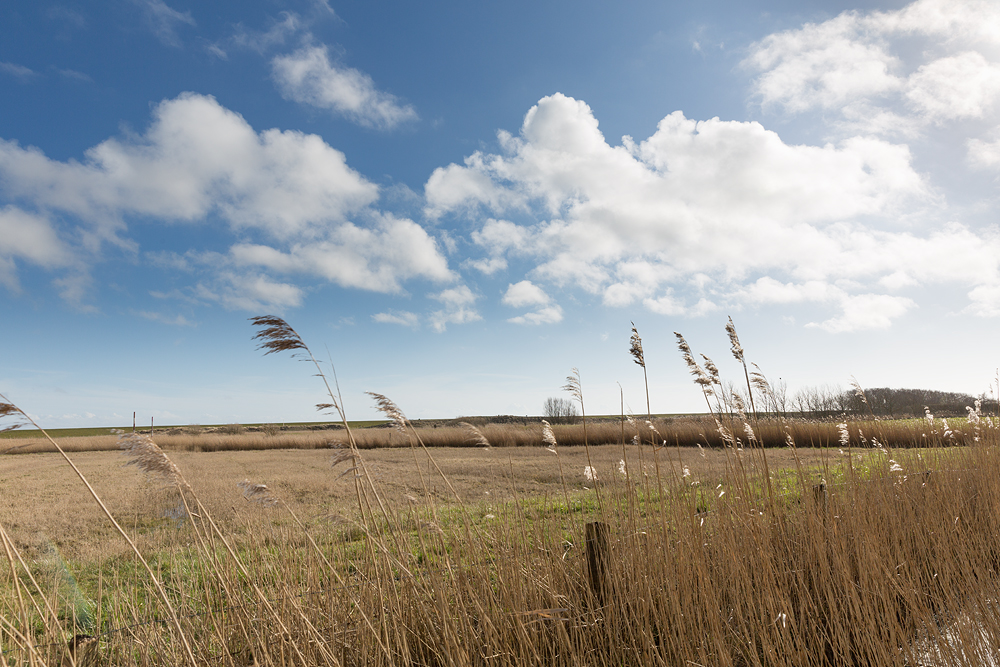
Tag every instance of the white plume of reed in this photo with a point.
(146, 455)
(548, 437)
(390, 410)
(257, 493)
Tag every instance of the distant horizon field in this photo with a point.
(113, 430)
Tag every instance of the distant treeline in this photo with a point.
(882, 401)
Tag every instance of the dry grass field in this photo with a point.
(50, 510)
(748, 550)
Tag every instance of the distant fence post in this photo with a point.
(597, 558)
(820, 498)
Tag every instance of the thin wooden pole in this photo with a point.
(597, 558)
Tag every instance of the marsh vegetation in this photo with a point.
(727, 553)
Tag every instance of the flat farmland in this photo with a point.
(45, 502)
(504, 556)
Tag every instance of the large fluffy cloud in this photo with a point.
(197, 158)
(931, 62)
(292, 199)
(685, 220)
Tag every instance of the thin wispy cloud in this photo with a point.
(308, 76)
(164, 20)
(400, 317)
(176, 320)
(19, 72)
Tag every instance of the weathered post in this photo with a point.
(597, 558)
(820, 498)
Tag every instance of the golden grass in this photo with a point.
(684, 432)
(741, 555)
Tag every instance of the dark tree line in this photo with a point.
(885, 402)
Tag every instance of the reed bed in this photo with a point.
(879, 556)
(681, 432)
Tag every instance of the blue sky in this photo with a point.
(457, 203)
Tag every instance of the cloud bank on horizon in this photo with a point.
(702, 216)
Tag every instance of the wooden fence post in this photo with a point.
(597, 558)
(820, 498)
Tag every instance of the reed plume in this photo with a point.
(639, 357)
(477, 435)
(387, 407)
(737, 350)
(147, 456)
(257, 493)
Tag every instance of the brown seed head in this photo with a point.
(734, 340)
(11, 410)
(636, 349)
(276, 335)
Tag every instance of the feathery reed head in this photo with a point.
(700, 376)
(477, 435)
(713, 371)
(734, 341)
(548, 437)
(276, 335)
(390, 410)
(257, 493)
(636, 349)
(758, 380)
(11, 410)
(147, 456)
(573, 385)
(858, 391)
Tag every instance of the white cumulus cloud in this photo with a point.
(29, 237)
(526, 293)
(308, 76)
(892, 72)
(290, 198)
(458, 308)
(709, 214)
